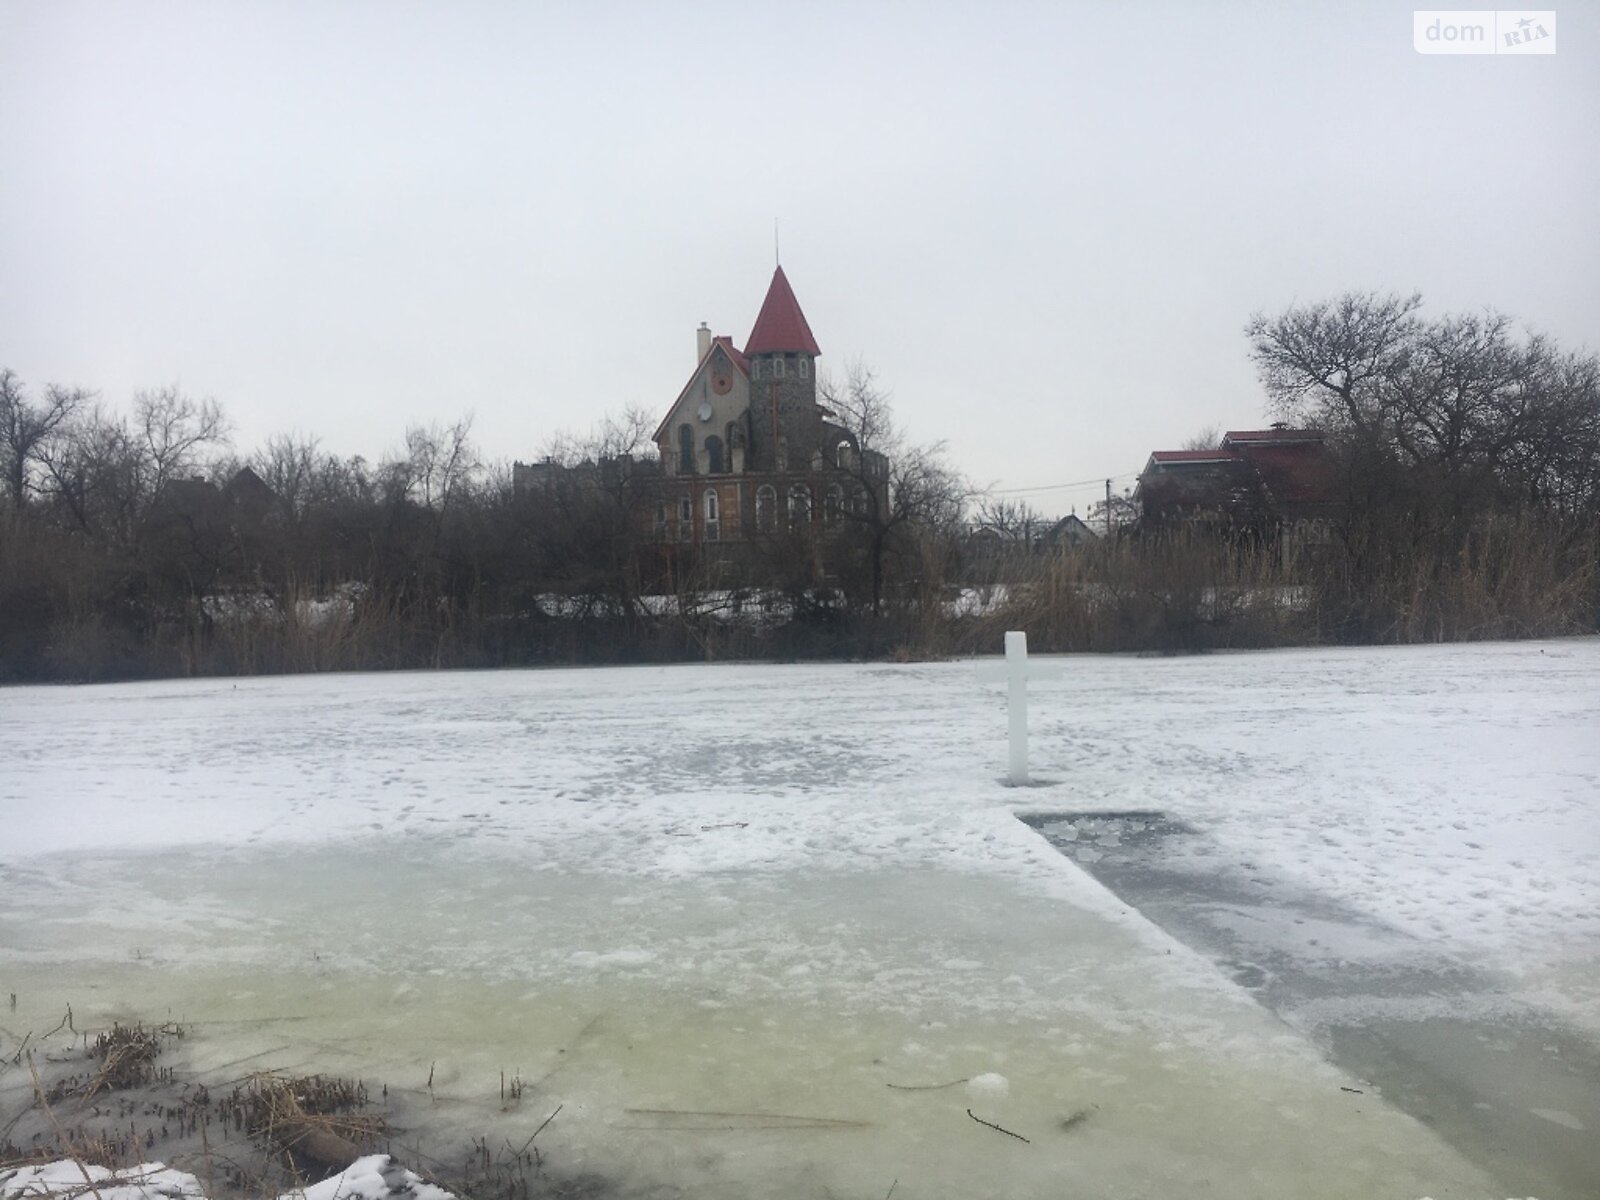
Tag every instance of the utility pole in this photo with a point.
(1108, 508)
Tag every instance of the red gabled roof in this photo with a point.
(781, 326)
(1234, 436)
(739, 360)
(1176, 456)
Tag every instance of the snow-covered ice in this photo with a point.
(147, 1181)
(375, 1177)
(800, 892)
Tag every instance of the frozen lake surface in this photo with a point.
(746, 922)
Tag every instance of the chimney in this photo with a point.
(702, 341)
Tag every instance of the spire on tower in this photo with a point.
(781, 326)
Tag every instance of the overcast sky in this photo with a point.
(1042, 225)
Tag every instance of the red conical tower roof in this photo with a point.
(781, 326)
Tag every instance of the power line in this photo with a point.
(1056, 487)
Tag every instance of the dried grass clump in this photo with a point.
(313, 1118)
(127, 1054)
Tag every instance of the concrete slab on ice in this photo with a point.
(678, 1021)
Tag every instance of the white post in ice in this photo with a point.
(1016, 671)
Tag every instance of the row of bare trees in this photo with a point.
(100, 472)
(141, 543)
(1468, 470)
(1448, 431)
(1472, 415)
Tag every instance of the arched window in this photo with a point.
(755, 368)
(799, 504)
(777, 366)
(766, 508)
(833, 504)
(714, 455)
(805, 367)
(685, 450)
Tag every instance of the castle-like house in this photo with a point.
(749, 459)
(746, 449)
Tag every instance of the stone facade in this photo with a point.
(785, 419)
(746, 449)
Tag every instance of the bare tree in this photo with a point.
(1327, 364)
(93, 479)
(172, 429)
(1015, 521)
(897, 489)
(289, 465)
(1471, 412)
(587, 506)
(1120, 513)
(441, 462)
(27, 429)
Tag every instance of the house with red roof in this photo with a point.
(1278, 483)
(746, 447)
(747, 453)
